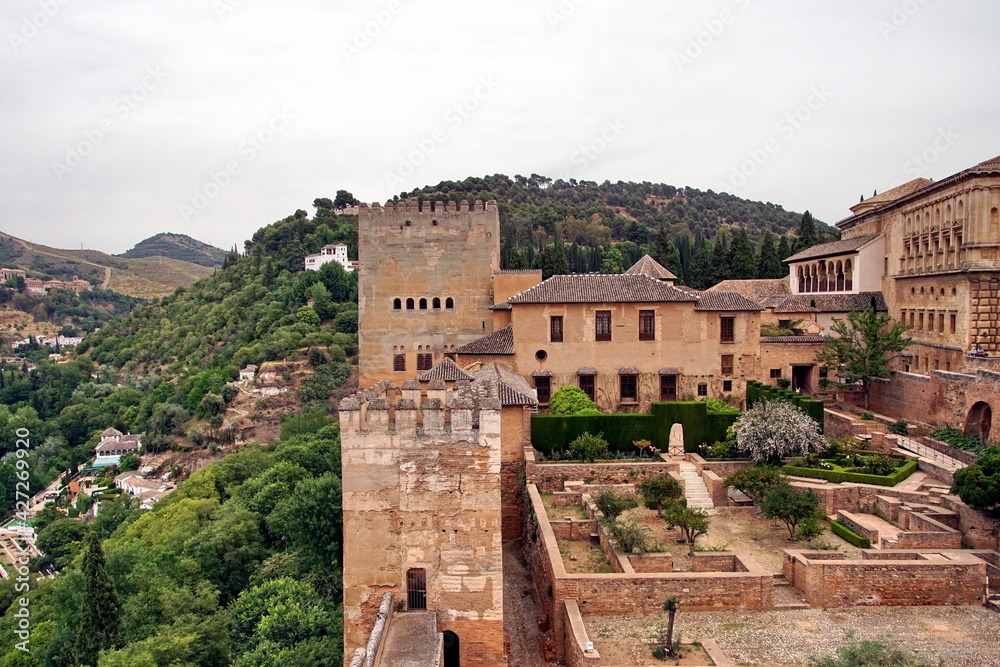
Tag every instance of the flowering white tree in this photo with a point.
(772, 430)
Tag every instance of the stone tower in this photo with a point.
(422, 515)
(425, 282)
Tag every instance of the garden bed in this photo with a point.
(837, 473)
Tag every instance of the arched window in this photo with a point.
(423, 304)
(409, 304)
(449, 303)
(436, 303)
(840, 277)
(849, 277)
(802, 281)
(824, 284)
(397, 304)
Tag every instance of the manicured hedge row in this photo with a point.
(757, 391)
(840, 530)
(837, 477)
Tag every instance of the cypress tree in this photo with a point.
(101, 615)
(720, 260)
(808, 237)
(666, 253)
(701, 267)
(784, 248)
(744, 266)
(770, 265)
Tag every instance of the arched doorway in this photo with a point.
(451, 649)
(980, 421)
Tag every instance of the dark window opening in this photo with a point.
(541, 355)
(775, 373)
(416, 589)
(727, 329)
(629, 388)
(556, 329)
(423, 304)
(425, 362)
(436, 303)
(399, 363)
(703, 390)
(543, 386)
(397, 304)
(409, 304)
(647, 325)
(727, 385)
(603, 325)
(452, 649)
(449, 303)
(587, 385)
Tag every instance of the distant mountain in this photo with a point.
(178, 246)
(145, 277)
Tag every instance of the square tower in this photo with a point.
(425, 283)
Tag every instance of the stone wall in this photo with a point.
(891, 578)
(549, 477)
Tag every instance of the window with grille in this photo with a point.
(727, 385)
(416, 589)
(556, 329)
(703, 390)
(399, 362)
(425, 362)
(543, 386)
(775, 373)
(668, 387)
(941, 323)
(603, 325)
(587, 385)
(727, 329)
(727, 364)
(954, 322)
(647, 325)
(629, 388)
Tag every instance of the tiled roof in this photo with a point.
(995, 162)
(647, 266)
(587, 371)
(111, 433)
(597, 288)
(793, 339)
(501, 306)
(517, 271)
(511, 387)
(755, 290)
(900, 191)
(843, 303)
(628, 370)
(791, 304)
(541, 374)
(689, 290)
(447, 371)
(726, 301)
(499, 342)
(835, 248)
(670, 371)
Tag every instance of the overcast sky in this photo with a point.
(215, 117)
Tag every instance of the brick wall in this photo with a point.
(549, 477)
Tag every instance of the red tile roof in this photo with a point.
(500, 342)
(597, 288)
(647, 266)
(447, 371)
(841, 247)
(726, 301)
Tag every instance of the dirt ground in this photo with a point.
(584, 557)
(521, 611)
(962, 636)
(639, 654)
(560, 512)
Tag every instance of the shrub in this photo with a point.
(840, 530)
(317, 357)
(590, 447)
(790, 507)
(570, 400)
(784, 383)
(772, 430)
(867, 416)
(958, 439)
(978, 485)
(692, 522)
(631, 535)
(756, 481)
(655, 491)
(870, 653)
(717, 406)
(327, 378)
(899, 428)
(346, 322)
(612, 504)
(809, 528)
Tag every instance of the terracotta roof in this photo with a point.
(755, 290)
(598, 288)
(447, 371)
(111, 433)
(501, 306)
(506, 272)
(500, 342)
(790, 304)
(511, 387)
(900, 191)
(843, 303)
(115, 446)
(689, 290)
(995, 162)
(726, 301)
(835, 248)
(793, 339)
(647, 266)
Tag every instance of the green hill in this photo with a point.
(177, 246)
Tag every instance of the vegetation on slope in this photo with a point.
(177, 246)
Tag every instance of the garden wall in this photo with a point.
(550, 476)
(891, 578)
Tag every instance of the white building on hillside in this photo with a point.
(330, 253)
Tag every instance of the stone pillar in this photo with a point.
(406, 416)
(350, 415)
(411, 391)
(433, 416)
(439, 390)
(461, 418)
(378, 416)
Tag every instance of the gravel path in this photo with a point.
(963, 636)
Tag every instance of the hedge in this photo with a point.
(837, 477)
(757, 391)
(840, 530)
(555, 432)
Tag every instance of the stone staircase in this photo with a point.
(694, 488)
(786, 597)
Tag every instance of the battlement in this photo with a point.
(412, 206)
(427, 214)
(464, 412)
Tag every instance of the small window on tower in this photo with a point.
(399, 363)
(425, 362)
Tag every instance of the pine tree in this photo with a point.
(808, 237)
(666, 253)
(517, 261)
(101, 615)
(720, 260)
(770, 265)
(744, 266)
